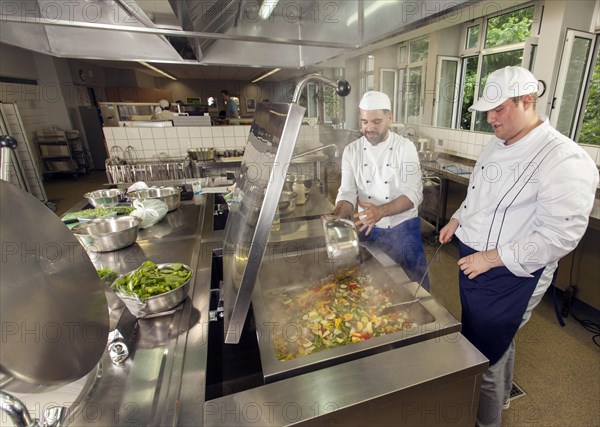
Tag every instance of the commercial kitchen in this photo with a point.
(245, 197)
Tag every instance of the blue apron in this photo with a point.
(403, 244)
(493, 305)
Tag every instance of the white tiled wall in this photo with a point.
(148, 143)
(469, 144)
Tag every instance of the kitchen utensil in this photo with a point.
(287, 202)
(170, 195)
(110, 234)
(341, 239)
(391, 308)
(104, 198)
(430, 155)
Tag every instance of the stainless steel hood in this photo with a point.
(296, 34)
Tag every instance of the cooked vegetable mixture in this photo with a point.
(148, 280)
(102, 212)
(342, 311)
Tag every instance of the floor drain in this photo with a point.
(516, 392)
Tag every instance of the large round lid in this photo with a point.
(53, 309)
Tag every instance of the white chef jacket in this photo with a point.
(531, 200)
(381, 173)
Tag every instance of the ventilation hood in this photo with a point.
(295, 34)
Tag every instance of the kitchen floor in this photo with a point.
(557, 367)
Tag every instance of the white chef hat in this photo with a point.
(505, 83)
(374, 100)
(163, 103)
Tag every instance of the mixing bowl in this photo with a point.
(170, 195)
(110, 234)
(104, 198)
(287, 202)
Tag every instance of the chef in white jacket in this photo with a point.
(381, 176)
(527, 205)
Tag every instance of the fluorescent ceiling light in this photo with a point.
(267, 8)
(273, 71)
(157, 70)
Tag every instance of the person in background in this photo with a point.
(381, 176)
(231, 109)
(527, 205)
(162, 112)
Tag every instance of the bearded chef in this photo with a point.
(528, 203)
(381, 177)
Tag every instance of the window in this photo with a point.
(446, 95)
(411, 80)
(504, 38)
(367, 68)
(568, 105)
(388, 81)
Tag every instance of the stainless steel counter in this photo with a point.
(164, 381)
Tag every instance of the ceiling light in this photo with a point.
(273, 71)
(267, 8)
(157, 70)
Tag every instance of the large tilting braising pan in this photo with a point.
(53, 308)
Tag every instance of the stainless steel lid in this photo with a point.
(262, 173)
(53, 309)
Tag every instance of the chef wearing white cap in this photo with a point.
(381, 176)
(527, 205)
(162, 112)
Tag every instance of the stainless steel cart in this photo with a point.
(431, 210)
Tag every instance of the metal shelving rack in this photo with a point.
(61, 152)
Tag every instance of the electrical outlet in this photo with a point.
(440, 142)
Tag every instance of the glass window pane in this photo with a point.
(590, 128)
(418, 49)
(370, 62)
(573, 85)
(402, 55)
(387, 84)
(413, 94)
(470, 79)
(490, 64)
(448, 91)
(370, 81)
(509, 28)
(472, 37)
(401, 95)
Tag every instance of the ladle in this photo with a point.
(391, 308)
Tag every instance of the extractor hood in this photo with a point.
(295, 34)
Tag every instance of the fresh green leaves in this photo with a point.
(107, 275)
(148, 280)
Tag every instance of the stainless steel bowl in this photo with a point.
(287, 202)
(170, 195)
(341, 240)
(168, 300)
(110, 234)
(104, 198)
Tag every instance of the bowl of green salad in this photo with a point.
(155, 288)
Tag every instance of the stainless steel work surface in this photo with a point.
(178, 223)
(387, 382)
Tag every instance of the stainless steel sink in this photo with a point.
(305, 267)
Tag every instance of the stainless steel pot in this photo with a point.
(430, 156)
(287, 202)
(170, 195)
(202, 154)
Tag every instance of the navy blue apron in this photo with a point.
(493, 305)
(403, 244)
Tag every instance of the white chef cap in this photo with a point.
(505, 83)
(374, 100)
(163, 103)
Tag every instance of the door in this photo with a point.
(92, 127)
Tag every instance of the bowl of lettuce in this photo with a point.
(154, 288)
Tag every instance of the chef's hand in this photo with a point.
(368, 217)
(479, 262)
(448, 231)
